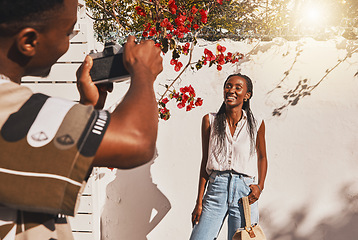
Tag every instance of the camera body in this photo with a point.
(108, 65)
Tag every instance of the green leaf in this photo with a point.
(175, 54)
(165, 45)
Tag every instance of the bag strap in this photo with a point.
(247, 211)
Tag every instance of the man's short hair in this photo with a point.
(18, 14)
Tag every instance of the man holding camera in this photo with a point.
(49, 145)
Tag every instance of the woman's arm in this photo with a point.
(261, 165)
(205, 134)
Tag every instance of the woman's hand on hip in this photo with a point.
(254, 194)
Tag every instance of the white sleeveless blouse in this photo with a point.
(237, 156)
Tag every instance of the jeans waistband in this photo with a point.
(230, 171)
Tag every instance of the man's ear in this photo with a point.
(247, 95)
(26, 41)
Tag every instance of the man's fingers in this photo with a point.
(131, 40)
(105, 87)
(83, 73)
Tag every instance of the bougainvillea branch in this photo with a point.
(174, 25)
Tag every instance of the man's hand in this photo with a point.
(91, 94)
(129, 140)
(142, 59)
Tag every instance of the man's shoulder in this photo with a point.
(12, 97)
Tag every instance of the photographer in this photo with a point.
(49, 145)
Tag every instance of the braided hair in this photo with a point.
(220, 118)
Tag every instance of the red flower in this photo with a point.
(147, 27)
(194, 10)
(189, 107)
(169, 36)
(184, 98)
(173, 62)
(140, 11)
(221, 59)
(165, 100)
(175, 95)
(199, 102)
(209, 56)
(221, 48)
(220, 1)
(152, 31)
(180, 20)
(204, 16)
(196, 26)
(184, 89)
(191, 91)
(172, 7)
(145, 34)
(219, 67)
(181, 105)
(186, 48)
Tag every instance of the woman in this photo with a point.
(229, 140)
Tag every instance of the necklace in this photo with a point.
(235, 124)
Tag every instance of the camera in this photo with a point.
(108, 65)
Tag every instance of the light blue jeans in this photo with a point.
(221, 199)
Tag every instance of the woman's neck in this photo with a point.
(233, 115)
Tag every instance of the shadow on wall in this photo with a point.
(339, 227)
(134, 205)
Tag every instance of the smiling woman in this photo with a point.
(229, 168)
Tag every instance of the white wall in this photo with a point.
(311, 189)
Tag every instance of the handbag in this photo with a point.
(249, 232)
